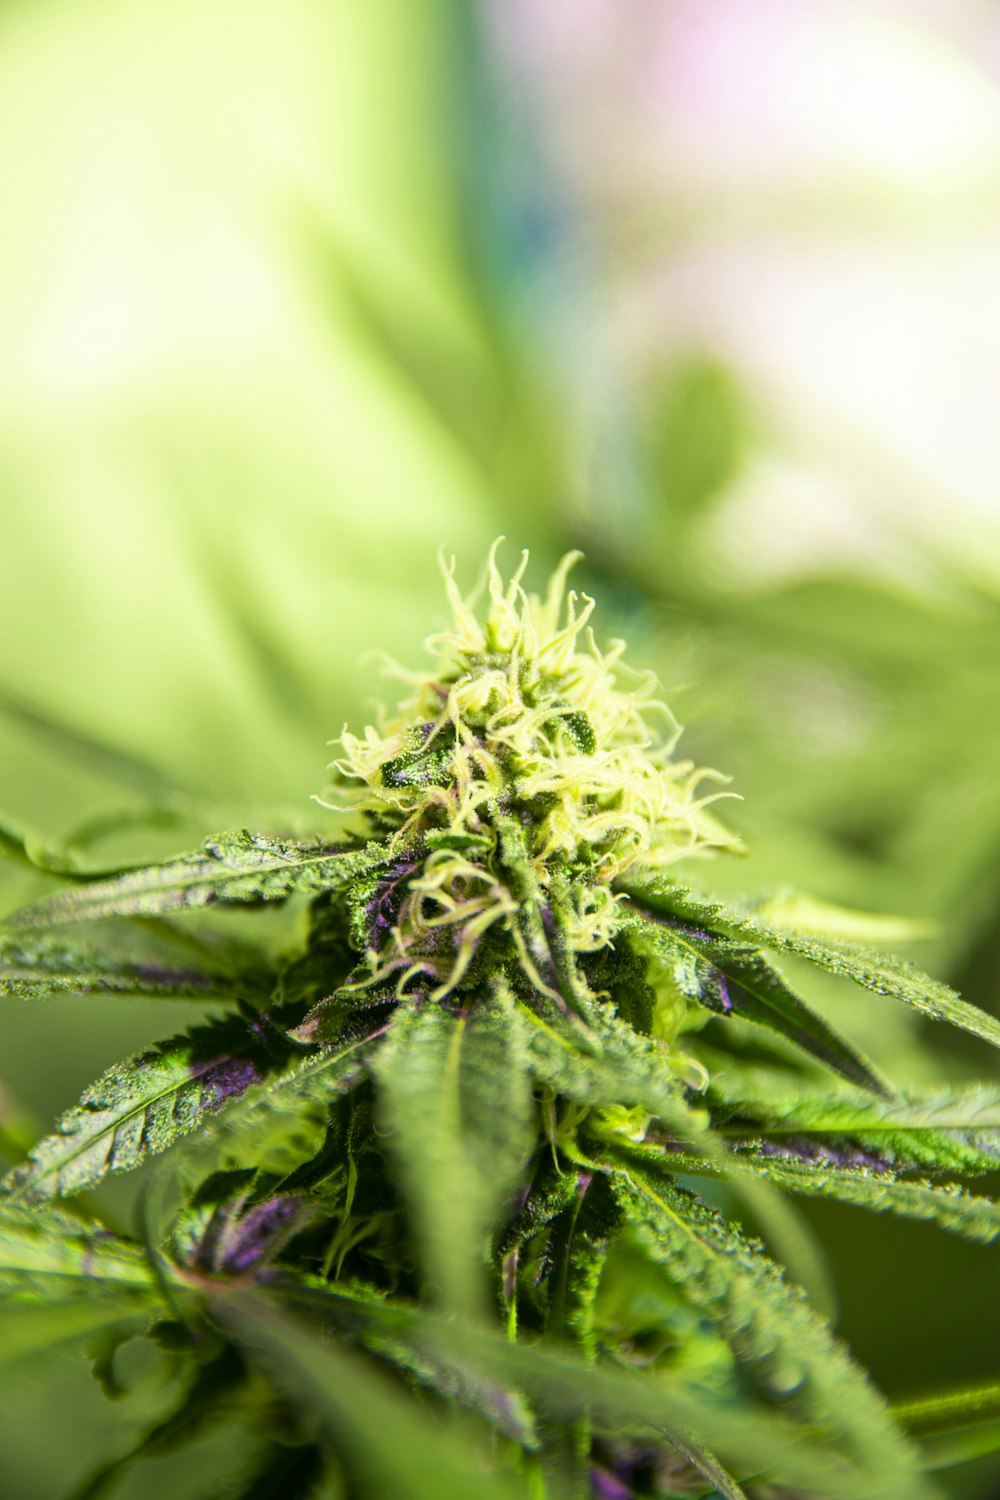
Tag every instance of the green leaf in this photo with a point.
(142, 1105)
(32, 965)
(771, 1326)
(577, 1252)
(955, 1130)
(281, 1472)
(730, 976)
(950, 1409)
(634, 1070)
(545, 953)
(32, 1330)
(948, 1206)
(44, 1252)
(233, 868)
(377, 1431)
(30, 849)
(216, 1388)
(623, 1068)
(751, 1441)
(708, 1466)
(266, 1127)
(120, 766)
(798, 913)
(884, 974)
(455, 1098)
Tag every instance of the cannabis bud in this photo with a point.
(519, 767)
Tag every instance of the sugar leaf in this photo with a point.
(729, 975)
(141, 1106)
(772, 1327)
(232, 868)
(882, 973)
(455, 1099)
(950, 1129)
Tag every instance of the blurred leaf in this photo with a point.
(34, 1330)
(750, 1441)
(950, 1409)
(109, 760)
(33, 965)
(391, 1446)
(43, 1253)
(213, 1387)
(695, 424)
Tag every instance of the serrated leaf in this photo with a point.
(950, 1409)
(881, 973)
(955, 1130)
(948, 1206)
(263, 1127)
(707, 1465)
(233, 868)
(32, 965)
(731, 976)
(885, 975)
(455, 1098)
(634, 1070)
(771, 1326)
(624, 1067)
(578, 1249)
(142, 1105)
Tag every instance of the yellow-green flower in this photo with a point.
(524, 722)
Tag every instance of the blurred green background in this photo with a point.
(293, 292)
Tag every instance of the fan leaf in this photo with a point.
(566, 1386)
(37, 964)
(946, 1205)
(43, 1251)
(388, 1444)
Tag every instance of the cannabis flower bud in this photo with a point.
(520, 768)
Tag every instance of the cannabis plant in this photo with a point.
(462, 1184)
